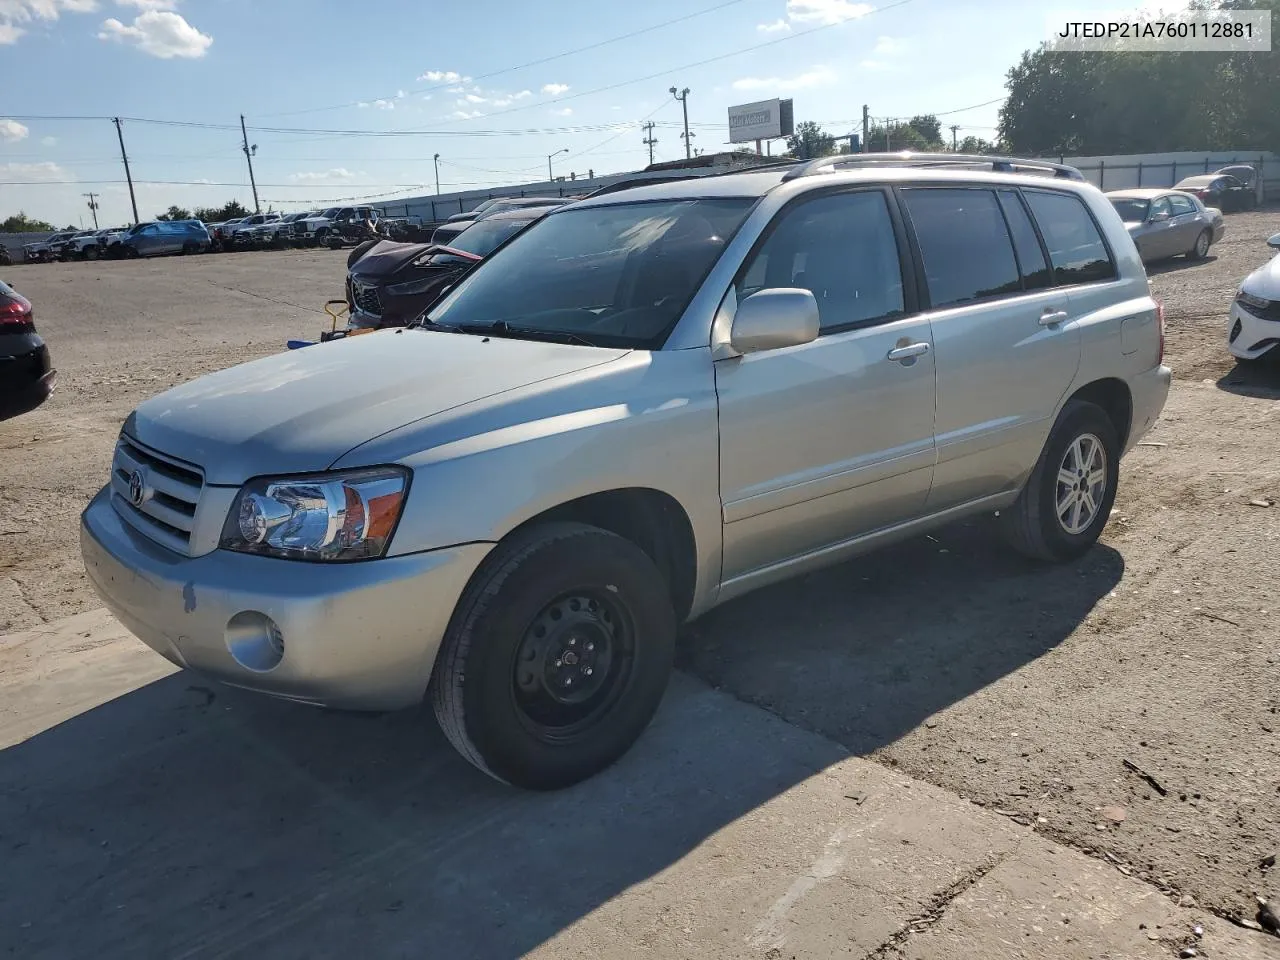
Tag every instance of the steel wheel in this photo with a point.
(572, 663)
(1202, 245)
(1082, 483)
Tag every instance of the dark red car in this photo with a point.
(26, 377)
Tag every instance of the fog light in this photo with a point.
(255, 641)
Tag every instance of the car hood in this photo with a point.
(386, 258)
(300, 411)
(1265, 281)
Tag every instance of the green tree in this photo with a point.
(174, 213)
(228, 211)
(21, 223)
(810, 141)
(973, 144)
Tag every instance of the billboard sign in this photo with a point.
(764, 120)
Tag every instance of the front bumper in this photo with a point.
(1148, 391)
(354, 635)
(1250, 336)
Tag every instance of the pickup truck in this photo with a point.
(42, 250)
(312, 230)
(91, 246)
(241, 235)
(276, 232)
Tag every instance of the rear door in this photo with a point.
(1006, 343)
(823, 442)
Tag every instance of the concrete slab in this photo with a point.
(150, 813)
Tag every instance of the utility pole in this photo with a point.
(93, 205)
(650, 140)
(866, 129)
(683, 97)
(954, 127)
(248, 156)
(127, 175)
(551, 177)
(436, 158)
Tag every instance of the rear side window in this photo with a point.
(1031, 262)
(965, 245)
(1075, 245)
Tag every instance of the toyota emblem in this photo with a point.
(137, 488)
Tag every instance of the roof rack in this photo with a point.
(909, 158)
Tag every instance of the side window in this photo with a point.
(1035, 271)
(1075, 246)
(345, 213)
(1182, 205)
(1162, 205)
(841, 248)
(965, 245)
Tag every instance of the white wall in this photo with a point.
(1122, 172)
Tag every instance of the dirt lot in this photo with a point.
(1022, 688)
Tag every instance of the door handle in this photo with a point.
(908, 351)
(1050, 317)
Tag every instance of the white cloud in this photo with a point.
(9, 33)
(160, 33)
(11, 131)
(467, 114)
(778, 26)
(522, 94)
(472, 98)
(335, 175)
(443, 76)
(887, 47)
(384, 104)
(48, 141)
(149, 4)
(555, 89)
(826, 11)
(15, 12)
(817, 77)
(565, 112)
(45, 171)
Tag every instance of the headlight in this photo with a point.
(1249, 300)
(412, 287)
(325, 516)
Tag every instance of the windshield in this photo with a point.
(486, 236)
(1131, 210)
(331, 213)
(616, 276)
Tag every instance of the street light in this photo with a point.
(436, 158)
(683, 97)
(551, 176)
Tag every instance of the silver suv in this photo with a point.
(647, 404)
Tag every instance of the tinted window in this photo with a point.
(840, 247)
(484, 237)
(1035, 271)
(1075, 246)
(1182, 205)
(964, 243)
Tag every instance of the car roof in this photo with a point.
(1201, 178)
(529, 212)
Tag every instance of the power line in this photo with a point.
(523, 66)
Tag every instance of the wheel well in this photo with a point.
(652, 520)
(1112, 396)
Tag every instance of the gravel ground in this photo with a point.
(1023, 688)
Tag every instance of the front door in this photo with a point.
(1187, 225)
(824, 442)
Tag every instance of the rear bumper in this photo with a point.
(1248, 336)
(26, 381)
(353, 635)
(1148, 391)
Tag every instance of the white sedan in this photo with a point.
(1255, 314)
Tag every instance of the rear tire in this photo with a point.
(1201, 248)
(1065, 505)
(557, 656)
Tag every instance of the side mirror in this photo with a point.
(1274, 241)
(770, 319)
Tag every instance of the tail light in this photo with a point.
(15, 313)
(1160, 324)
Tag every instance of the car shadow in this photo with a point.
(188, 819)
(1174, 264)
(1257, 378)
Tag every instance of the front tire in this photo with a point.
(557, 656)
(1067, 500)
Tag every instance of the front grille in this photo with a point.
(1235, 331)
(170, 493)
(366, 298)
(300, 227)
(1270, 312)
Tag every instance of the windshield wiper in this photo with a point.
(501, 328)
(426, 323)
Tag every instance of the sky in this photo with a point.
(353, 99)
